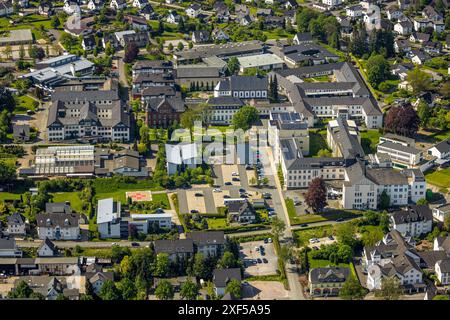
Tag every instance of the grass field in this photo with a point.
(311, 218)
(317, 142)
(23, 103)
(216, 223)
(440, 178)
(304, 235)
(9, 196)
(72, 197)
(369, 140)
(33, 22)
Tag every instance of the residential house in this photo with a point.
(200, 36)
(137, 23)
(404, 27)
(332, 3)
(9, 248)
(88, 43)
(419, 37)
(118, 4)
(95, 5)
(58, 223)
(6, 8)
(413, 220)
(16, 225)
(441, 150)
(419, 57)
(354, 11)
(180, 249)
(222, 12)
(45, 9)
(209, 243)
(140, 4)
(193, 10)
(394, 13)
(402, 46)
(303, 37)
(173, 17)
(442, 269)
(404, 4)
(241, 212)
(219, 35)
(430, 13)
(246, 20)
(71, 7)
(221, 278)
(50, 287)
(47, 249)
(441, 211)
(393, 256)
(327, 281)
(432, 48)
(442, 244)
(97, 279)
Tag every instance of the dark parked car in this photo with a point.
(266, 240)
(259, 260)
(331, 237)
(135, 244)
(303, 225)
(228, 183)
(194, 211)
(236, 179)
(265, 260)
(199, 194)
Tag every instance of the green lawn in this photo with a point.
(326, 216)
(23, 104)
(319, 263)
(161, 197)
(32, 22)
(216, 223)
(317, 142)
(72, 197)
(304, 235)
(440, 178)
(9, 196)
(369, 140)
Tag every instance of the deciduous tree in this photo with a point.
(316, 196)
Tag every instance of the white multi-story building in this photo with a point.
(413, 221)
(59, 223)
(401, 156)
(109, 221)
(332, 3)
(16, 224)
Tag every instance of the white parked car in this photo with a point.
(217, 190)
(314, 240)
(234, 174)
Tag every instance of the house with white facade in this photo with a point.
(354, 11)
(221, 278)
(210, 243)
(47, 249)
(58, 223)
(403, 28)
(441, 150)
(16, 225)
(9, 248)
(118, 4)
(413, 221)
(441, 211)
(193, 10)
(401, 156)
(442, 270)
(393, 257)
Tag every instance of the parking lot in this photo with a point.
(227, 174)
(249, 255)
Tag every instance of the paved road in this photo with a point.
(83, 244)
(281, 210)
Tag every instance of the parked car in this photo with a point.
(266, 240)
(226, 196)
(199, 194)
(339, 219)
(315, 248)
(236, 179)
(228, 183)
(269, 240)
(242, 190)
(265, 260)
(256, 249)
(194, 211)
(135, 244)
(234, 174)
(259, 260)
(217, 190)
(303, 225)
(330, 237)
